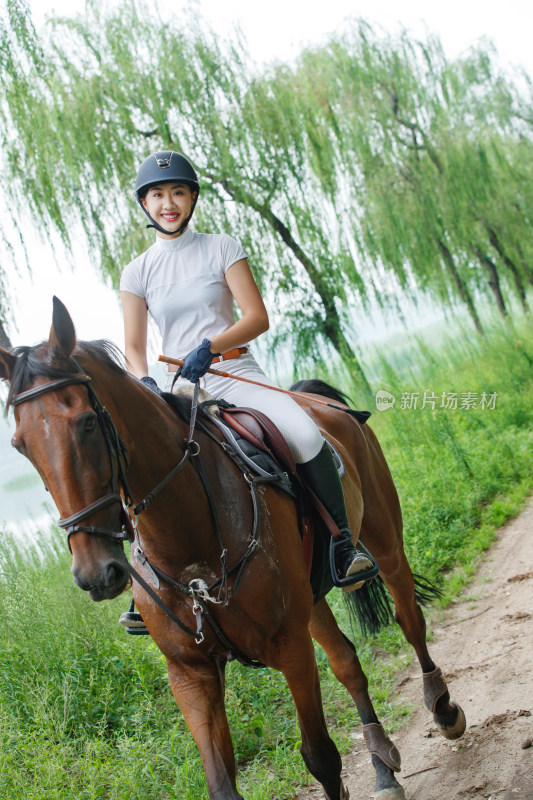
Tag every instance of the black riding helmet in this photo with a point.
(164, 167)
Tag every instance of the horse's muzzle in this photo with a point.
(108, 582)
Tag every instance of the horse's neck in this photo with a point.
(178, 520)
(154, 435)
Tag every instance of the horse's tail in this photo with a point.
(425, 591)
(370, 606)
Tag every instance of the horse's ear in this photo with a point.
(62, 334)
(7, 364)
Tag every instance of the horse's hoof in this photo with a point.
(344, 795)
(456, 730)
(393, 793)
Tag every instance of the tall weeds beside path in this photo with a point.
(459, 441)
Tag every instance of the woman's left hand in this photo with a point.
(197, 362)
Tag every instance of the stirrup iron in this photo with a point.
(132, 621)
(356, 577)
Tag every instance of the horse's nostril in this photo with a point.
(115, 574)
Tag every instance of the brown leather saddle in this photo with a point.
(259, 429)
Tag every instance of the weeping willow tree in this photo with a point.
(369, 157)
(18, 53)
(442, 190)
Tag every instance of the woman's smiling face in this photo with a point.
(169, 204)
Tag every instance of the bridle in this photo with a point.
(119, 461)
(197, 589)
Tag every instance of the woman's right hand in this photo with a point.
(150, 382)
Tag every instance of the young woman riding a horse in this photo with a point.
(101, 441)
(188, 281)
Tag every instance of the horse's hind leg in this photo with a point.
(347, 669)
(298, 664)
(199, 691)
(448, 716)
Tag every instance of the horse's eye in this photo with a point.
(88, 423)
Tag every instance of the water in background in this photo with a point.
(26, 509)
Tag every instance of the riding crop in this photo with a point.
(179, 362)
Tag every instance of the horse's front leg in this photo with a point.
(199, 691)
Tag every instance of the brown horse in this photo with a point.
(89, 455)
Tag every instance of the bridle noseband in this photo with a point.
(118, 458)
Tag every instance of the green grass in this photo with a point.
(460, 473)
(86, 712)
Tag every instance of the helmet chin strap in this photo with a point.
(170, 233)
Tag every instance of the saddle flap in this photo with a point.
(259, 429)
(262, 432)
(246, 426)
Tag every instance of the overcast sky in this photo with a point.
(274, 30)
(279, 29)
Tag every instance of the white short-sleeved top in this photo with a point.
(182, 282)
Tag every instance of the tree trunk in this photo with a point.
(332, 325)
(494, 280)
(520, 288)
(464, 294)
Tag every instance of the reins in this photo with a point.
(361, 416)
(197, 588)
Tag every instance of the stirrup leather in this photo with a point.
(356, 577)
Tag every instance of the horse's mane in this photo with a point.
(36, 362)
(180, 404)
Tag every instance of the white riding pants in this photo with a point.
(301, 433)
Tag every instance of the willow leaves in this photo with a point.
(370, 166)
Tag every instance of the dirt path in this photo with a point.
(484, 645)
